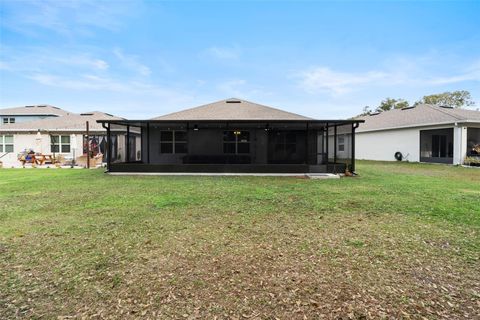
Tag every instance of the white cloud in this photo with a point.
(471, 73)
(324, 79)
(4, 65)
(85, 82)
(95, 82)
(100, 64)
(224, 53)
(82, 60)
(131, 62)
(26, 60)
(69, 18)
(123, 97)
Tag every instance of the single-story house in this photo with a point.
(424, 133)
(63, 136)
(231, 135)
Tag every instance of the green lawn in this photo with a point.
(399, 240)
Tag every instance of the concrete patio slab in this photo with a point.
(227, 174)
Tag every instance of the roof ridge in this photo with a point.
(442, 111)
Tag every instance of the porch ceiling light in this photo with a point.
(195, 127)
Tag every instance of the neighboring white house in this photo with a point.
(424, 133)
(58, 135)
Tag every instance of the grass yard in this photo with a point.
(399, 241)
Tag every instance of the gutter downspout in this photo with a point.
(352, 165)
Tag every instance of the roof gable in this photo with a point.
(232, 109)
(420, 115)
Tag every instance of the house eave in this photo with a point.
(309, 121)
(434, 124)
(30, 114)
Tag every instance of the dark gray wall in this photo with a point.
(204, 142)
(210, 142)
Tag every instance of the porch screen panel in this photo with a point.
(436, 145)
(344, 145)
(236, 142)
(473, 142)
(118, 143)
(135, 143)
(340, 146)
(173, 141)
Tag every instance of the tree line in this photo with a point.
(453, 99)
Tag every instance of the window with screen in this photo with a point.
(6, 143)
(236, 142)
(59, 144)
(341, 143)
(174, 141)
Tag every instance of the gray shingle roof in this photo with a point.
(43, 109)
(69, 122)
(232, 109)
(421, 115)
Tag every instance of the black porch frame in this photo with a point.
(329, 129)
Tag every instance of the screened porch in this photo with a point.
(221, 146)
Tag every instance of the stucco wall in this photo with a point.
(382, 145)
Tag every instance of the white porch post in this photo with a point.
(459, 143)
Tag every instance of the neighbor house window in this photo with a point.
(8, 120)
(174, 141)
(235, 142)
(6, 143)
(341, 143)
(60, 144)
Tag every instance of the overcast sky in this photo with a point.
(321, 59)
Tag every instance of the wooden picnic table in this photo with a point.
(38, 159)
(42, 158)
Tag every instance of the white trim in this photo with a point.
(459, 144)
